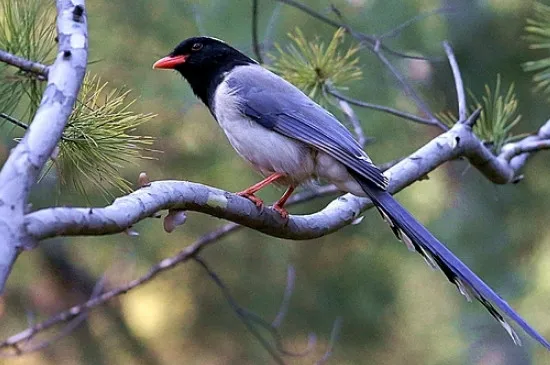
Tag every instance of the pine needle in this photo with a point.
(96, 143)
(499, 115)
(538, 36)
(27, 29)
(311, 66)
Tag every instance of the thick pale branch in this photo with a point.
(27, 159)
(128, 210)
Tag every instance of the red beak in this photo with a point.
(170, 62)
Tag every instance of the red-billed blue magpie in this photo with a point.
(290, 139)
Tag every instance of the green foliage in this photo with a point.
(538, 36)
(96, 142)
(27, 30)
(311, 66)
(499, 114)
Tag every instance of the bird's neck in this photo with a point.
(205, 80)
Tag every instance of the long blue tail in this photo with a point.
(419, 239)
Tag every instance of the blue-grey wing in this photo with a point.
(286, 110)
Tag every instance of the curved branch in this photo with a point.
(516, 154)
(461, 95)
(143, 203)
(27, 159)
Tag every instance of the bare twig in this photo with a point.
(25, 347)
(243, 315)
(377, 47)
(461, 95)
(14, 121)
(355, 123)
(336, 326)
(162, 266)
(370, 40)
(289, 289)
(398, 29)
(24, 64)
(409, 90)
(381, 108)
(255, 41)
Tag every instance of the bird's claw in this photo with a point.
(253, 198)
(282, 211)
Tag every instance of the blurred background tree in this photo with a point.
(393, 308)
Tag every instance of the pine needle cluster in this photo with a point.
(538, 36)
(27, 29)
(499, 115)
(97, 142)
(312, 66)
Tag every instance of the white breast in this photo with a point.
(267, 151)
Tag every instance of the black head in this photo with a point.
(203, 62)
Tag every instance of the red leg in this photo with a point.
(249, 193)
(278, 206)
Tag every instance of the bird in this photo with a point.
(290, 140)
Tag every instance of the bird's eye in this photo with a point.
(196, 47)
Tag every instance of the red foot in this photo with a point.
(253, 198)
(282, 211)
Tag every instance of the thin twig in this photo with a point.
(377, 47)
(381, 108)
(416, 19)
(372, 41)
(14, 121)
(289, 289)
(24, 64)
(160, 267)
(248, 318)
(350, 114)
(255, 42)
(336, 326)
(198, 19)
(238, 310)
(461, 95)
(409, 90)
(270, 27)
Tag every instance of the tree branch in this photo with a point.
(516, 154)
(130, 209)
(255, 41)
(24, 64)
(377, 47)
(27, 159)
(381, 108)
(461, 95)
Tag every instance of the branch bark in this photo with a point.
(145, 202)
(27, 159)
(24, 64)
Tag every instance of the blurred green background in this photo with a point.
(394, 309)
